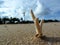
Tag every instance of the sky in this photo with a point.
(43, 9)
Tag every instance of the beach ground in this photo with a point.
(24, 34)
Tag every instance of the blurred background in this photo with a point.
(20, 9)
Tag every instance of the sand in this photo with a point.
(24, 34)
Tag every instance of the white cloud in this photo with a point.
(38, 8)
(15, 8)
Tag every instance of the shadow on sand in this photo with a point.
(51, 39)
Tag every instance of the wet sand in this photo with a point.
(24, 34)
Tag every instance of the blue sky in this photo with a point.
(43, 9)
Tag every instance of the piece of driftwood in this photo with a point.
(38, 26)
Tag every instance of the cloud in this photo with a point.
(53, 5)
(41, 10)
(15, 8)
(38, 8)
(1, 3)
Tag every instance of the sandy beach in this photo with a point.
(23, 34)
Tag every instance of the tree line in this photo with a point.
(15, 20)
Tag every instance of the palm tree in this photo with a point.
(0, 21)
(24, 15)
(5, 19)
(11, 21)
(14, 20)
